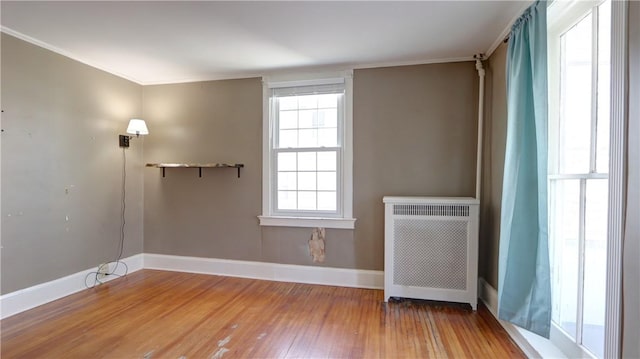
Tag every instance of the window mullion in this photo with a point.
(561, 102)
(275, 134)
(581, 262)
(308, 149)
(579, 176)
(594, 90)
(274, 125)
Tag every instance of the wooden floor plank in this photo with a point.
(159, 314)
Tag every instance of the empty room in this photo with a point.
(320, 179)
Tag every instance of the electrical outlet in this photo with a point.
(103, 270)
(123, 140)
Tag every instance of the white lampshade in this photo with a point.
(137, 127)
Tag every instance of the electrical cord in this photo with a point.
(99, 274)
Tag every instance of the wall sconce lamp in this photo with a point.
(136, 127)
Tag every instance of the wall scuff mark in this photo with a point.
(316, 245)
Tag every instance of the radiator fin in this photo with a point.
(430, 253)
(441, 210)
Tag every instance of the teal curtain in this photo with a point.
(524, 287)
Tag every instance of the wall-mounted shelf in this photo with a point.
(199, 166)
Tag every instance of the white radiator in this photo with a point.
(431, 249)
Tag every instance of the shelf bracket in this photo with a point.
(238, 166)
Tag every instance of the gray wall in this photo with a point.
(415, 130)
(414, 134)
(204, 122)
(631, 260)
(494, 143)
(61, 166)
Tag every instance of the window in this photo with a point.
(307, 153)
(579, 103)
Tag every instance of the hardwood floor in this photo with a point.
(157, 314)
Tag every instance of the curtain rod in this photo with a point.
(549, 3)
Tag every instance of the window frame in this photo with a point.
(562, 17)
(342, 219)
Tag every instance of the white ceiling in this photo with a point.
(153, 42)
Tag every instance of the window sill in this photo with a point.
(309, 222)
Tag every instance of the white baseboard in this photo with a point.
(342, 277)
(25, 299)
(533, 346)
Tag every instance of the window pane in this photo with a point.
(328, 101)
(327, 201)
(309, 101)
(308, 138)
(575, 118)
(604, 87)
(286, 200)
(595, 265)
(327, 161)
(306, 161)
(287, 181)
(328, 118)
(307, 200)
(287, 161)
(288, 103)
(300, 119)
(288, 119)
(299, 181)
(327, 181)
(307, 118)
(565, 224)
(328, 137)
(288, 139)
(307, 181)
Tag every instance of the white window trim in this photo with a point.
(346, 221)
(617, 179)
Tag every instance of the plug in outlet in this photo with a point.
(103, 270)
(123, 140)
